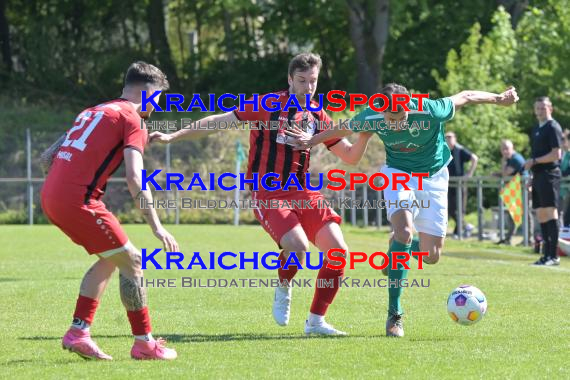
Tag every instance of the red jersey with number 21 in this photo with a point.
(93, 151)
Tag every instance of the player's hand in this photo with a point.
(159, 137)
(170, 244)
(302, 139)
(528, 164)
(509, 97)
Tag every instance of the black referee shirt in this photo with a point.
(543, 139)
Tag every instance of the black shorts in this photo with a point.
(546, 188)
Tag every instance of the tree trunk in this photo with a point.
(516, 9)
(369, 35)
(228, 35)
(160, 48)
(5, 37)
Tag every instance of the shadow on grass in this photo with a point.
(205, 338)
(9, 279)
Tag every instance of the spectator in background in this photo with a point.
(512, 164)
(546, 141)
(460, 155)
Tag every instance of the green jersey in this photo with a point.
(417, 146)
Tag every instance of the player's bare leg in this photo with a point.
(134, 298)
(403, 232)
(78, 337)
(293, 241)
(328, 237)
(425, 243)
(433, 245)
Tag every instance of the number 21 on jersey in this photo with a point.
(84, 117)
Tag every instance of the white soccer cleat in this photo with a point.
(282, 305)
(322, 329)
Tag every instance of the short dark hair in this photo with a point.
(144, 73)
(394, 88)
(541, 99)
(304, 62)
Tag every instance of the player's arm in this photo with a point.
(554, 155)
(196, 130)
(506, 98)
(351, 153)
(474, 159)
(46, 158)
(507, 170)
(134, 166)
(306, 141)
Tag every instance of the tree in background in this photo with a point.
(484, 63)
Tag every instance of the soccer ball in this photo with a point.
(466, 305)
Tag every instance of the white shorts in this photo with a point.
(429, 211)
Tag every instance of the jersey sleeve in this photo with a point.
(248, 113)
(441, 109)
(326, 123)
(465, 154)
(358, 122)
(516, 162)
(134, 135)
(555, 136)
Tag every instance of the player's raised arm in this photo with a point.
(306, 141)
(46, 158)
(134, 166)
(196, 130)
(506, 98)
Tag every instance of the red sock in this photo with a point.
(324, 296)
(286, 274)
(85, 308)
(140, 321)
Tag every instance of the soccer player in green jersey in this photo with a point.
(414, 142)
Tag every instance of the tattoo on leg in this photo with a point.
(133, 294)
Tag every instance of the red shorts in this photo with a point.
(91, 226)
(278, 221)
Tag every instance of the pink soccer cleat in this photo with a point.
(80, 342)
(152, 350)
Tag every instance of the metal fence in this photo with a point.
(485, 189)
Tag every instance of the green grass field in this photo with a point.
(229, 333)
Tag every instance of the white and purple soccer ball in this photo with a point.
(466, 305)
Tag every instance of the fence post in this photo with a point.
(365, 196)
(29, 172)
(479, 210)
(459, 202)
(340, 203)
(167, 159)
(378, 210)
(525, 211)
(501, 212)
(177, 211)
(352, 209)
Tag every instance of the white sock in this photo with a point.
(148, 337)
(80, 324)
(315, 319)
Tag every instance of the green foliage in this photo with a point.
(543, 60)
(484, 63)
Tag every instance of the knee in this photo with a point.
(133, 265)
(403, 235)
(299, 246)
(433, 257)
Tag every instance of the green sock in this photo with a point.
(394, 293)
(415, 245)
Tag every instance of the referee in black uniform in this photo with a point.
(546, 143)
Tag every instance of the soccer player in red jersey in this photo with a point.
(271, 150)
(79, 165)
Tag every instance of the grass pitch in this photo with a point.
(229, 333)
